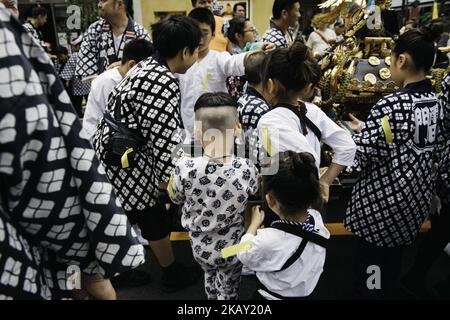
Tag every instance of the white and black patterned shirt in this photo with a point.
(443, 180)
(392, 196)
(214, 194)
(276, 36)
(97, 50)
(150, 103)
(251, 107)
(445, 101)
(35, 33)
(78, 87)
(57, 208)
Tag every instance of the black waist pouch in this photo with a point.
(123, 146)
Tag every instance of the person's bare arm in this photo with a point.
(327, 179)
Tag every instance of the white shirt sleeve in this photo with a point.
(268, 252)
(231, 65)
(337, 138)
(96, 104)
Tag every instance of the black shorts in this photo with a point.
(155, 222)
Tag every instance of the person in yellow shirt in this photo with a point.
(219, 42)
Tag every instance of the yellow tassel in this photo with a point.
(387, 130)
(124, 159)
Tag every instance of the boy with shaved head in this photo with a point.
(214, 189)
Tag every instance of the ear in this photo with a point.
(185, 53)
(238, 130)
(238, 36)
(272, 87)
(308, 91)
(198, 131)
(271, 202)
(402, 60)
(131, 64)
(284, 14)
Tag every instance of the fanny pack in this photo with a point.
(124, 144)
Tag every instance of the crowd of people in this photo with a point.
(213, 114)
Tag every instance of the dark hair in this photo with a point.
(237, 25)
(137, 50)
(293, 67)
(413, 22)
(436, 28)
(316, 73)
(419, 44)
(129, 7)
(174, 33)
(194, 2)
(253, 64)
(215, 99)
(203, 15)
(296, 184)
(242, 4)
(280, 5)
(61, 50)
(38, 11)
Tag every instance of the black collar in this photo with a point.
(253, 92)
(160, 59)
(422, 86)
(308, 225)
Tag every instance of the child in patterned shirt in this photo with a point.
(214, 190)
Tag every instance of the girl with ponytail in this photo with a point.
(395, 158)
(288, 257)
(289, 76)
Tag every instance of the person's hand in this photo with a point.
(355, 124)
(324, 191)
(268, 47)
(257, 216)
(113, 65)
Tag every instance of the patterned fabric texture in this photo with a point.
(150, 102)
(276, 36)
(445, 101)
(251, 107)
(97, 50)
(57, 206)
(35, 33)
(392, 196)
(78, 87)
(214, 196)
(443, 180)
